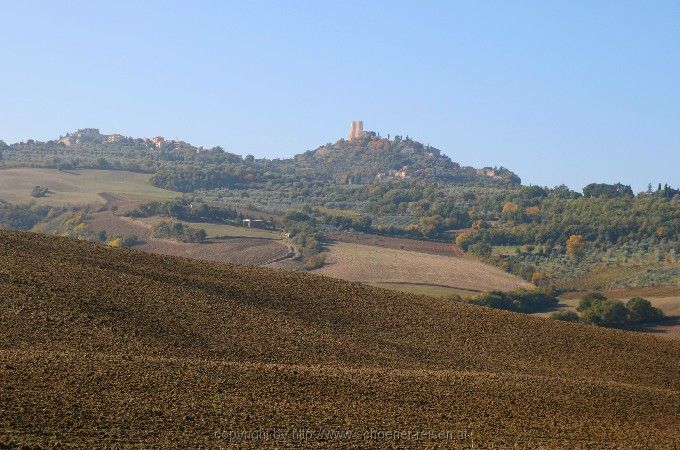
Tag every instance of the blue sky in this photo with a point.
(559, 92)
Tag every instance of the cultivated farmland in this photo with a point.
(118, 348)
(370, 264)
(415, 245)
(238, 249)
(79, 187)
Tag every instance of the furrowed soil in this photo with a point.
(107, 347)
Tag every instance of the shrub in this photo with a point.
(640, 310)
(587, 301)
(596, 308)
(607, 313)
(521, 300)
(481, 249)
(116, 242)
(314, 261)
(39, 191)
(534, 300)
(178, 231)
(565, 316)
(129, 240)
(465, 239)
(494, 299)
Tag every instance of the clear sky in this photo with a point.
(560, 92)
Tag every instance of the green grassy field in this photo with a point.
(218, 230)
(81, 187)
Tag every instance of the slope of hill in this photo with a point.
(113, 347)
(82, 187)
(365, 159)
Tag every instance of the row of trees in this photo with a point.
(598, 221)
(521, 300)
(183, 209)
(301, 229)
(178, 231)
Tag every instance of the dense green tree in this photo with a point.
(641, 311)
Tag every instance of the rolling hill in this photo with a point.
(364, 159)
(109, 347)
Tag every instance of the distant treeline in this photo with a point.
(183, 209)
(397, 177)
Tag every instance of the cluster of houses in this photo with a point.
(93, 135)
(89, 135)
(405, 172)
(486, 172)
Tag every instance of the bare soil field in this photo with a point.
(434, 248)
(108, 347)
(78, 187)
(238, 250)
(370, 264)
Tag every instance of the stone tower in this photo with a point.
(356, 130)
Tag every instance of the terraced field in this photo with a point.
(372, 264)
(117, 348)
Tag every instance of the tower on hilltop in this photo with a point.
(356, 130)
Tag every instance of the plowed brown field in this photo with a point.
(106, 347)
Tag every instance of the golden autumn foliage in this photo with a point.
(510, 207)
(575, 246)
(662, 232)
(479, 224)
(461, 238)
(116, 242)
(533, 211)
(537, 278)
